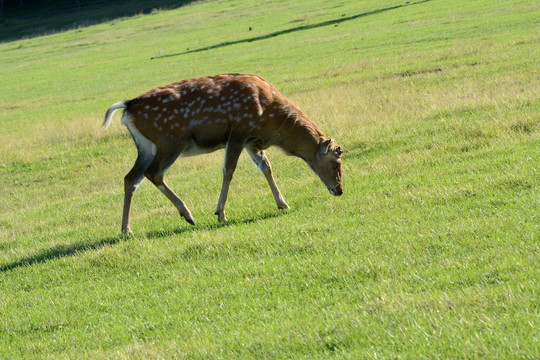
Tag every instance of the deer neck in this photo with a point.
(300, 137)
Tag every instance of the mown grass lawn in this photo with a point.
(432, 251)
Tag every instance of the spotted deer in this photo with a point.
(232, 111)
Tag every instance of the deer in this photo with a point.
(230, 111)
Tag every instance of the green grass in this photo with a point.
(432, 251)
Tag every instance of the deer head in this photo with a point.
(327, 165)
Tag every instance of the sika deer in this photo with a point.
(232, 111)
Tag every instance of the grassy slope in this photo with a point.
(432, 251)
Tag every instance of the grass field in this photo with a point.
(432, 251)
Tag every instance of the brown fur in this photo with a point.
(232, 111)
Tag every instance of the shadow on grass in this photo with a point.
(292, 30)
(61, 251)
(36, 17)
(213, 226)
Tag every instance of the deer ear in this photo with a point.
(326, 146)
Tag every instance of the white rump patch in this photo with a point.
(145, 146)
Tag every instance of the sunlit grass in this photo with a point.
(432, 251)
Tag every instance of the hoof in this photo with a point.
(221, 217)
(127, 232)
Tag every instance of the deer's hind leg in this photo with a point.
(155, 173)
(146, 151)
(131, 182)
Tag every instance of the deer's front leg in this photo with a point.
(232, 153)
(260, 159)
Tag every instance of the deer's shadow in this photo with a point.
(67, 250)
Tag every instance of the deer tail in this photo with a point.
(110, 112)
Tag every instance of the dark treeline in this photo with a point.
(17, 6)
(43, 7)
(28, 18)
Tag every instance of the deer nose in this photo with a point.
(336, 190)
